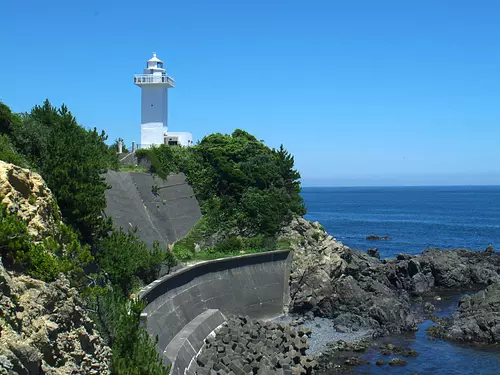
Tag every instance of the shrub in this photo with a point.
(229, 245)
(125, 258)
(134, 352)
(60, 253)
(240, 183)
(8, 152)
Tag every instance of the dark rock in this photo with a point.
(429, 308)
(373, 252)
(398, 362)
(356, 361)
(373, 237)
(477, 319)
(403, 257)
(359, 292)
(489, 250)
(380, 362)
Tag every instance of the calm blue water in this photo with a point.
(414, 217)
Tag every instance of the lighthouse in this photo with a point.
(154, 84)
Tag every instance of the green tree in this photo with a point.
(72, 160)
(127, 260)
(240, 182)
(134, 352)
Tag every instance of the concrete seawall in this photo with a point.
(184, 307)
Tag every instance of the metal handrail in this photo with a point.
(151, 78)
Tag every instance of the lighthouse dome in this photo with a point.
(154, 63)
(154, 58)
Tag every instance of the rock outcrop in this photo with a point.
(44, 330)
(334, 281)
(43, 327)
(477, 319)
(373, 237)
(450, 269)
(25, 194)
(359, 291)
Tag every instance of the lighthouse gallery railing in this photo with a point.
(150, 78)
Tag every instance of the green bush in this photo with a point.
(134, 352)
(240, 183)
(9, 154)
(229, 245)
(125, 259)
(59, 253)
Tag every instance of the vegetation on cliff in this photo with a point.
(55, 225)
(247, 191)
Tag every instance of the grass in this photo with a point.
(132, 168)
(185, 251)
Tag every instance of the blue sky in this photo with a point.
(361, 92)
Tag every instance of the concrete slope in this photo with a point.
(165, 214)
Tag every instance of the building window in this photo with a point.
(172, 143)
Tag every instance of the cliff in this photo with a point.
(25, 193)
(43, 326)
(45, 330)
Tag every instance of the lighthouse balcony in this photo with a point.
(151, 79)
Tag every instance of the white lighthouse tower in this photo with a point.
(155, 83)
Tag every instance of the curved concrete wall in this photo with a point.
(256, 285)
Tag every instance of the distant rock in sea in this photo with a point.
(373, 237)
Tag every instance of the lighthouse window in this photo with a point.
(160, 65)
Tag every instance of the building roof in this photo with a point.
(154, 58)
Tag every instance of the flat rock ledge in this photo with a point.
(244, 346)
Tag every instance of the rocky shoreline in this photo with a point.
(359, 292)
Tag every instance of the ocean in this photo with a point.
(416, 218)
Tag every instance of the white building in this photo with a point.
(155, 83)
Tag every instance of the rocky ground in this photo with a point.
(44, 330)
(25, 193)
(477, 319)
(361, 292)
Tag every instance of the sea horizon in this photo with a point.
(398, 186)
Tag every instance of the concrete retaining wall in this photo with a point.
(256, 285)
(164, 216)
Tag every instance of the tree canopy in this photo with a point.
(239, 181)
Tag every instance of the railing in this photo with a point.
(140, 79)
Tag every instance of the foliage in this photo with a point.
(125, 258)
(72, 160)
(59, 253)
(240, 182)
(7, 119)
(132, 168)
(184, 249)
(316, 235)
(8, 153)
(134, 353)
